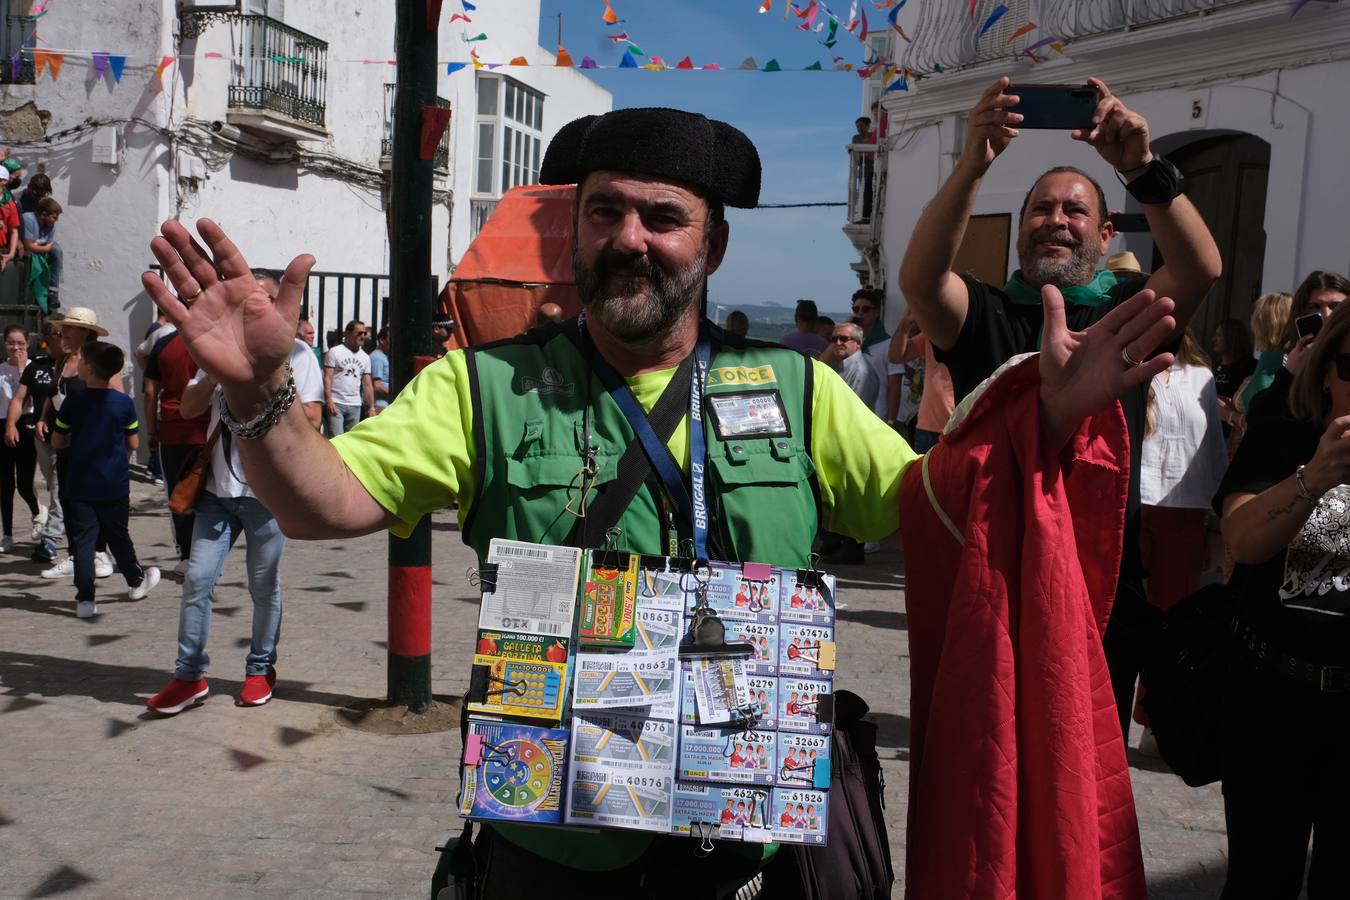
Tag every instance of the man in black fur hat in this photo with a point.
(668, 429)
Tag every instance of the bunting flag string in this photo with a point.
(994, 16)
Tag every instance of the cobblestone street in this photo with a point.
(101, 800)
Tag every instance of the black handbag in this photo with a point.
(1185, 671)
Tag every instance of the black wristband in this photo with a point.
(1161, 182)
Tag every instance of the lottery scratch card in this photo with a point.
(764, 700)
(517, 685)
(799, 649)
(799, 816)
(534, 589)
(799, 705)
(620, 800)
(621, 741)
(660, 586)
(728, 754)
(806, 603)
(763, 637)
(620, 680)
(608, 602)
(798, 755)
(735, 597)
(658, 630)
(520, 775)
(728, 809)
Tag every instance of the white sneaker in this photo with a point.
(149, 578)
(103, 565)
(6, 543)
(62, 569)
(872, 546)
(39, 522)
(88, 609)
(182, 567)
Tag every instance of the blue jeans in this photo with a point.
(344, 420)
(925, 440)
(219, 521)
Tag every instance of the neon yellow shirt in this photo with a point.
(418, 455)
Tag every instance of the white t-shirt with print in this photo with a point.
(348, 366)
(227, 480)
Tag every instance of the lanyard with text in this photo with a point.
(694, 511)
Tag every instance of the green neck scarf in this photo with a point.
(876, 335)
(1091, 294)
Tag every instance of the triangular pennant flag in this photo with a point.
(862, 30)
(814, 67)
(766, 6)
(711, 67)
(459, 17)
(115, 63)
(54, 61)
(564, 58)
(480, 36)
(163, 65)
(906, 38)
(937, 68)
(972, 10)
(435, 119)
(519, 61)
(452, 68)
(772, 66)
(834, 30)
(685, 63)
(1043, 42)
(658, 61)
(749, 63)
(994, 17)
(621, 36)
(899, 85)
(635, 49)
(610, 16)
(100, 62)
(627, 62)
(1025, 29)
(468, 6)
(589, 63)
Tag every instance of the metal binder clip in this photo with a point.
(703, 832)
(484, 578)
(608, 555)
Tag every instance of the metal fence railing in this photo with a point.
(947, 36)
(278, 68)
(16, 53)
(441, 161)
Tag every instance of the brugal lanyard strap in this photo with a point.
(694, 511)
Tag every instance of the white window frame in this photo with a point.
(517, 137)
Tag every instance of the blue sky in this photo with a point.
(800, 122)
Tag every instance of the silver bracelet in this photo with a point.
(1302, 488)
(262, 423)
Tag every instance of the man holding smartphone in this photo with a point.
(1063, 233)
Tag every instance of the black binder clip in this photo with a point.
(707, 635)
(484, 577)
(609, 556)
(811, 577)
(703, 832)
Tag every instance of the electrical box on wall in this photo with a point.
(107, 146)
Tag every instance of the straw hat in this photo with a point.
(80, 317)
(1125, 261)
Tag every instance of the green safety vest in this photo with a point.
(529, 394)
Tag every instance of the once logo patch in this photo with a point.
(550, 382)
(749, 414)
(750, 375)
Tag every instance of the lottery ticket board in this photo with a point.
(586, 713)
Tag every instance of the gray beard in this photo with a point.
(1075, 270)
(638, 314)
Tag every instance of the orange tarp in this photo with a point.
(522, 258)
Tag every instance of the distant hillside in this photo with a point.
(768, 321)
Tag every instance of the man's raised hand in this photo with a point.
(1083, 372)
(1120, 134)
(990, 125)
(233, 329)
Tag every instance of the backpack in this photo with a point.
(856, 863)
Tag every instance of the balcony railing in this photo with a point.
(278, 68)
(16, 56)
(441, 160)
(862, 183)
(945, 40)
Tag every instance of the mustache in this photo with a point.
(622, 265)
(1055, 235)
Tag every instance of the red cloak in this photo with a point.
(1019, 782)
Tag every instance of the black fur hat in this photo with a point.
(669, 143)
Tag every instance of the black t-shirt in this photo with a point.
(1228, 377)
(1299, 599)
(39, 376)
(996, 329)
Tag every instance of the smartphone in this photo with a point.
(1309, 325)
(1062, 107)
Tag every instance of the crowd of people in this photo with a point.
(1247, 442)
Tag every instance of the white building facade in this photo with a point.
(274, 120)
(1249, 103)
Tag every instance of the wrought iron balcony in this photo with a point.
(947, 38)
(441, 161)
(862, 183)
(278, 69)
(16, 57)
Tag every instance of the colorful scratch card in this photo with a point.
(799, 816)
(797, 758)
(764, 700)
(519, 776)
(763, 637)
(719, 754)
(735, 597)
(799, 649)
(800, 602)
(727, 809)
(608, 602)
(620, 800)
(525, 685)
(799, 705)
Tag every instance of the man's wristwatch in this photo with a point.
(1161, 182)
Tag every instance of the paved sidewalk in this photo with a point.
(101, 800)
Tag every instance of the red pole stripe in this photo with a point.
(410, 610)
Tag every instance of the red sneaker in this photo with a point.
(178, 696)
(257, 689)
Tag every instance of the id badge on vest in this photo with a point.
(749, 414)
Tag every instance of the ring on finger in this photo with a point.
(1125, 357)
(193, 296)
